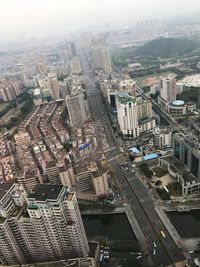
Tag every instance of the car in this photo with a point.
(139, 257)
(154, 252)
(154, 244)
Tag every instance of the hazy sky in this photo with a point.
(38, 17)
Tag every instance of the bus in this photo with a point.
(163, 234)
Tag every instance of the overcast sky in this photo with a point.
(44, 17)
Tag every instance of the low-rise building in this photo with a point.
(162, 137)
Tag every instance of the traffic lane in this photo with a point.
(102, 116)
(160, 257)
(148, 205)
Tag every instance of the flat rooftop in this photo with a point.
(42, 192)
(178, 167)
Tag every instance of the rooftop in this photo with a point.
(125, 99)
(42, 192)
(178, 167)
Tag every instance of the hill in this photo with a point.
(166, 48)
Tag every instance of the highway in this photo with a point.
(136, 193)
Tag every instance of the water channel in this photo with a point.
(187, 224)
(113, 226)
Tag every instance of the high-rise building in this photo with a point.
(128, 86)
(168, 89)
(53, 85)
(144, 109)
(52, 172)
(100, 183)
(76, 109)
(134, 115)
(9, 90)
(64, 89)
(186, 149)
(71, 50)
(48, 228)
(67, 176)
(41, 68)
(11, 199)
(101, 58)
(127, 114)
(28, 179)
(37, 97)
(75, 65)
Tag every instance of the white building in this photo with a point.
(131, 119)
(162, 137)
(37, 97)
(127, 115)
(168, 89)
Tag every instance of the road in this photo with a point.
(143, 207)
(137, 194)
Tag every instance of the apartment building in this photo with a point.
(134, 116)
(44, 226)
(76, 109)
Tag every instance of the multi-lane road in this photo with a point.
(142, 205)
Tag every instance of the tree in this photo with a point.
(145, 169)
(67, 146)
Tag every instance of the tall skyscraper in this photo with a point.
(71, 50)
(101, 58)
(48, 228)
(76, 109)
(168, 89)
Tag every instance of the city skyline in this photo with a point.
(48, 18)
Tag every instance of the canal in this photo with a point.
(113, 226)
(187, 224)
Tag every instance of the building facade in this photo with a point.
(129, 86)
(134, 115)
(168, 89)
(76, 109)
(48, 228)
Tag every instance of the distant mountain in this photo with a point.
(166, 48)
